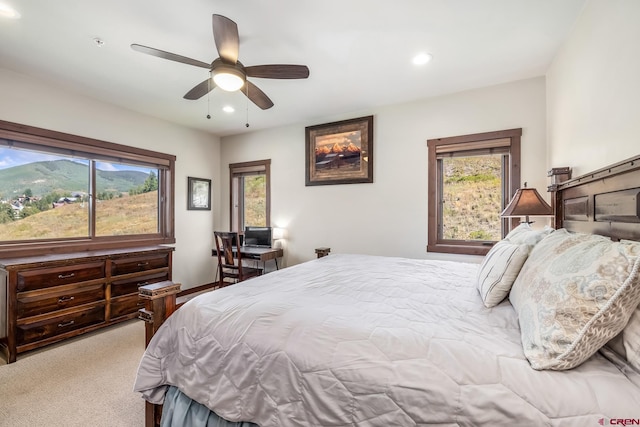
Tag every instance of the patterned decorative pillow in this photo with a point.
(574, 293)
(499, 270)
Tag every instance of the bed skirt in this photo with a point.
(179, 410)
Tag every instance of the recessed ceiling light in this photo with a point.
(7, 11)
(228, 109)
(422, 58)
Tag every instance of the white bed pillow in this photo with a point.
(627, 344)
(503, 262)
(631, 339)
(523, 234)
(574, 293)
(499, 270)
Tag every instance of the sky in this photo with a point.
(11, 157)
(343, 138)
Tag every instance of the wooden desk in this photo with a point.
(258, 254)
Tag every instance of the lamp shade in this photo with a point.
(527, 202)
(278, 233)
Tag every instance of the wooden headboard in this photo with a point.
(606, 201)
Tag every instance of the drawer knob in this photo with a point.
(143, 284)
(143, 264)
(64, 299)
(66, 276)
(65, 324)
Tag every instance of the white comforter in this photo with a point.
(370, 341)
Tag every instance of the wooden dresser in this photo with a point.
(46, 299)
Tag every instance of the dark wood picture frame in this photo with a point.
(198, 194)
(339, 152)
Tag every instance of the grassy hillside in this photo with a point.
(255, 200)
(139, 216)
(62, 176)
(472, 198)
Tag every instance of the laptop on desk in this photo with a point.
(257, 237)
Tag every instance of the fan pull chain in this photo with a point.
(247, 124)
(209, 97)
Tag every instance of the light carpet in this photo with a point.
(85, 381)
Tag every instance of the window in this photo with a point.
(64, 193)
(250, 194)
(471, 180)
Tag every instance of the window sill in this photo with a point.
(37, 248)
(464, 249)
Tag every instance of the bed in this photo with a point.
(350, 339)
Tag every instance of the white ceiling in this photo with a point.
(358, 51)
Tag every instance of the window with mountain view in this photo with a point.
(42, 196)
(471, 178)
(126, 199)
(82, 193)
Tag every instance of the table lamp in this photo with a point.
(527, 202)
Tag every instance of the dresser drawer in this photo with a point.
(39, 278)
(122, 306)
(50, 326)
(137, 264)
(41, 302)
(131, 285)
(52, 297)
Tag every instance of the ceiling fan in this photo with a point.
(227, 72)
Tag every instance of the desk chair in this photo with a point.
(229, 262)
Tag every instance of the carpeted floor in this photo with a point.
(85, 381)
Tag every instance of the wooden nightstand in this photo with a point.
(322, 252)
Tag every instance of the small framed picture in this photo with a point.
(199, 194)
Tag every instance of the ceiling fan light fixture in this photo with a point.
(6, 11)
(227, 72)
(228, 78)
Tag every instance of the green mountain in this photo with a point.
(62, 176)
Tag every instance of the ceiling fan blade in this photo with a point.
(278, 71)
(256, 96)
(225, 34)
(170, 56)
(200, 90)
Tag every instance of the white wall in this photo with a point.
(388, 217)
(31, 102)
(593, 89)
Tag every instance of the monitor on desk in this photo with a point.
(259, 237)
